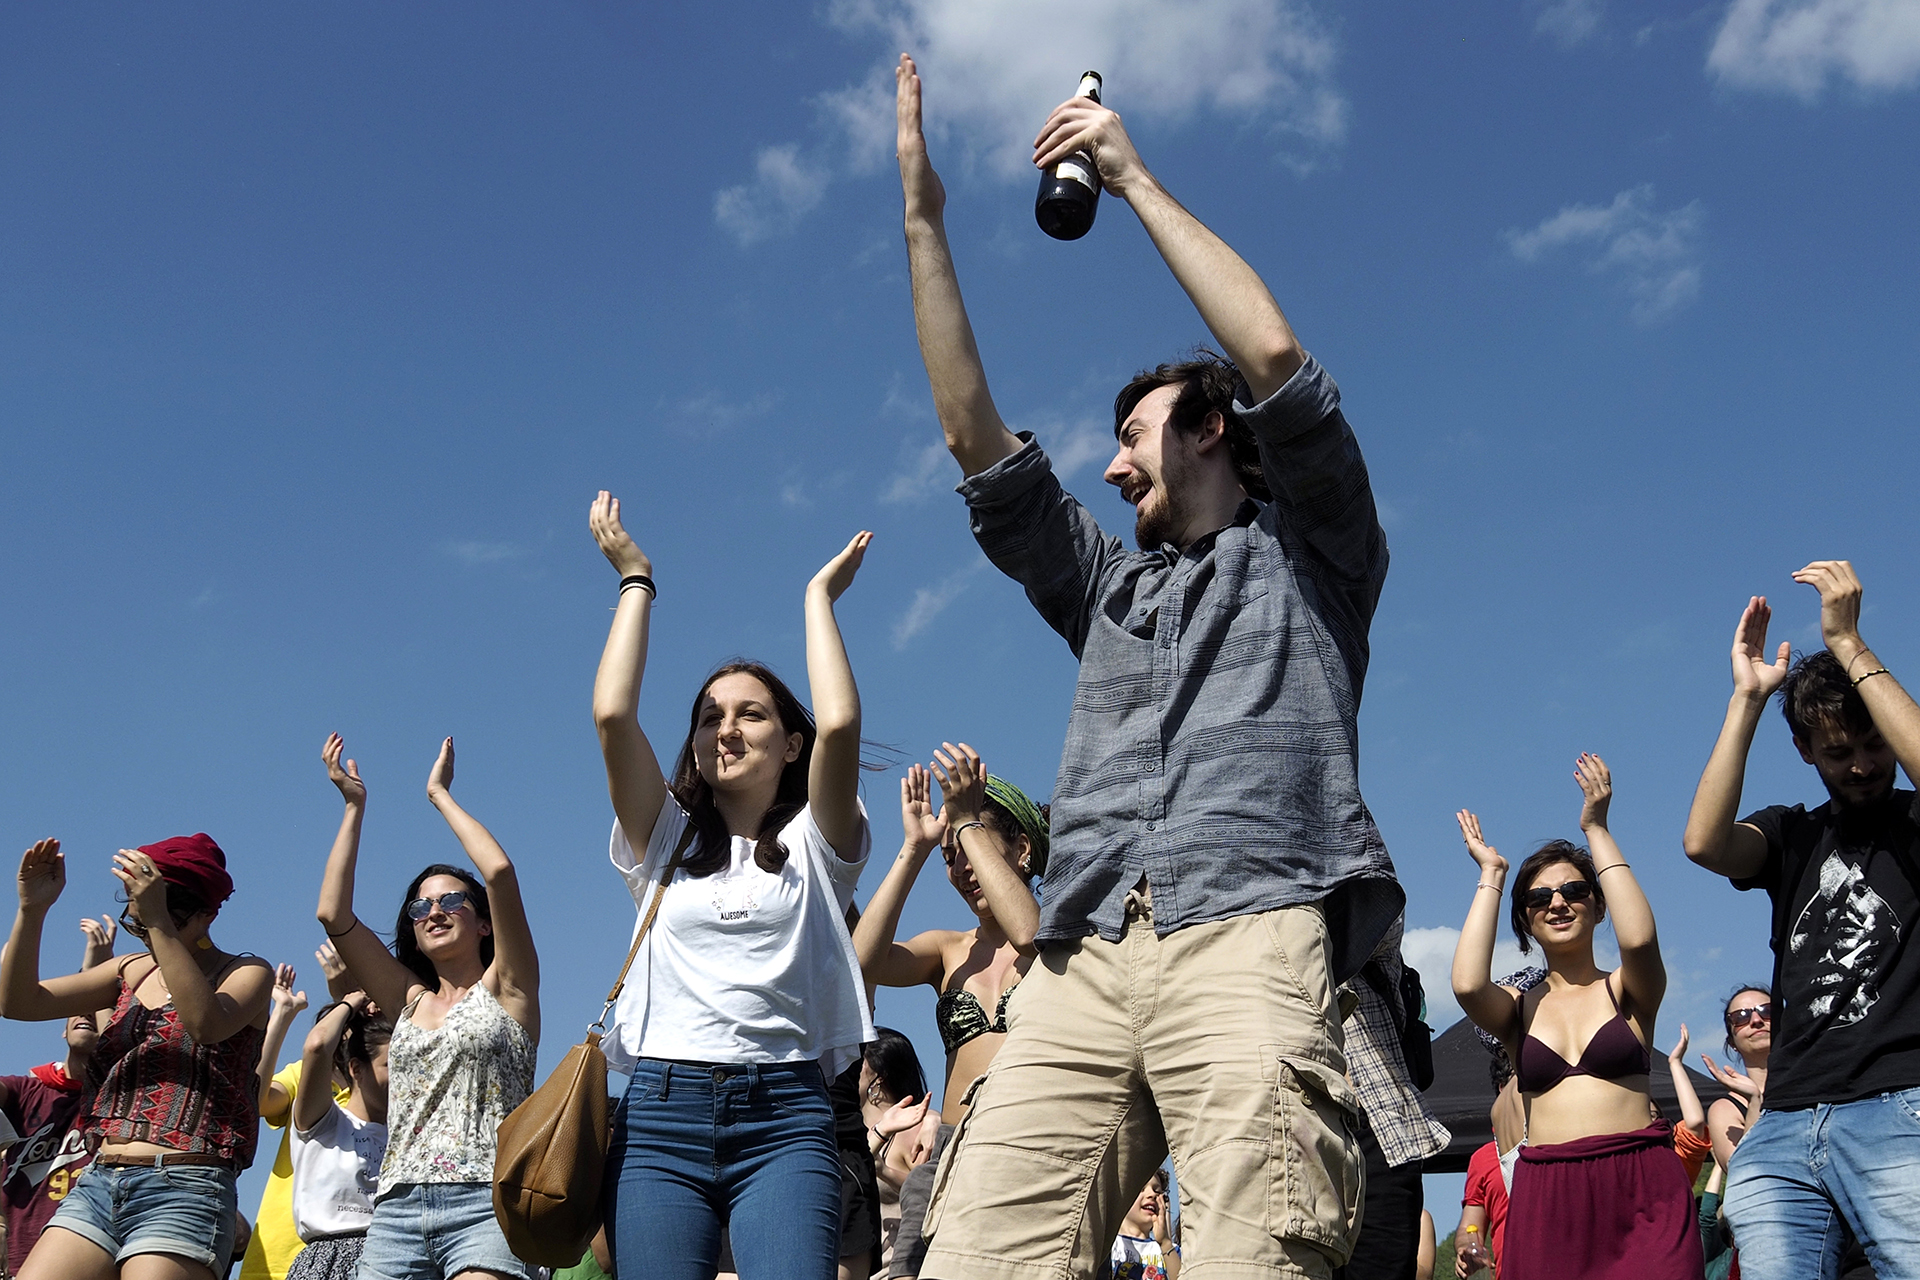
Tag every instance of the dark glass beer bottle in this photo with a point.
(1070, 190)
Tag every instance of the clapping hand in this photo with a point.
(347, 776)
(1732, 1079)
(1679, 1051)
(921, 185)
(1596, 790)
(43, 875)
(287, 1003)
(1840, 593)
(1753, 675)
(100, 938)
(963, 782)
(615, 542)
(1484, 854)
(924, 824)
(440, 778)
(837, 574)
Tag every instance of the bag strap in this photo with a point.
(646, 924)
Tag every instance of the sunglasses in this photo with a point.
(139, 930)
(1540, 897)
(1737, 1018)
(421, 908)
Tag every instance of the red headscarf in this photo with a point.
(196, 864)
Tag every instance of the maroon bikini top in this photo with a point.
(1613, 1053)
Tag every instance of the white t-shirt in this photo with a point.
(336, 1171)
(744, 965)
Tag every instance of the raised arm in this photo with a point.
(514, 975)
(99, 951)
(208, 1013)
(275, 1098)
(1714, 838)
(633, 772)
(339, 982)
(976, 436)
(316, 1061)
(372, 966)
(1893, 710)
(1643, 977)
(833, 779)
(883, 961)
(1494, 1009)
(23, 996)
(1235, 303)
(963, 790)
(1692, 1114)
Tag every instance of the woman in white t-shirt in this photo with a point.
(337, 1148)
(746, 998)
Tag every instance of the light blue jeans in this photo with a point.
(1797, 1174)
(748, 1145)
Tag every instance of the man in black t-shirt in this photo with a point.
(1839, 1139)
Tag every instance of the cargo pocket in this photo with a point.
(1315, 1169)
(949, 1159)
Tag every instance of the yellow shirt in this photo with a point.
(275, 1243)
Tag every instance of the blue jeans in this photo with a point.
(1797, 1174)
(429, 1230)
(183, 1209)
(748, 1146)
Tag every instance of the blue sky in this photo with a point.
(319, 328)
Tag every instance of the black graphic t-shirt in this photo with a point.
(1846, 979)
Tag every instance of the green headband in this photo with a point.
(1026, 815)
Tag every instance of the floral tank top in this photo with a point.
(152, 1082)
(450, 1088)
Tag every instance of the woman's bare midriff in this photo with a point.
(965, 1065)
(1582, 1106)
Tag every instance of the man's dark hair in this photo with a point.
(1208, 384)
(1818, 695)
(1545, 856)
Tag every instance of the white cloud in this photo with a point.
(1431, 952)
(785, 188)
(923, 473)
(1569, 22)
(992, 69)
(715, 411)
(1654, 254)
(1070, 448)
(930, 602)
(1797, 46)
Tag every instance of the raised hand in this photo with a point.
(1839, 606)
(331, 965)
(1732, 1079)
(963, 782)
(1596, 789)
(837, 574)
(920, 184)
(43, 874)
(616, 544)
(287, 1002)
(1485, 855)
(1679, 1051)
(100, 936)
(146, 889)
(923, 823)
(347, 776)
(441, 777)
(1081, 124)
(1753, 675)
(901, 1116)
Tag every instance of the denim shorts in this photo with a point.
(428, 1230)
(183, 1209)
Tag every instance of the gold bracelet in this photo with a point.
(1877, 671)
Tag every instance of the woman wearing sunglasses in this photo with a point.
(172, 1109)
(1749, 1022)
(746, 989)
(1597, 1190)
(462, 985)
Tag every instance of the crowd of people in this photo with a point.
(1210, 969)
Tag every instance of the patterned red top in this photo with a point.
(152, 1083)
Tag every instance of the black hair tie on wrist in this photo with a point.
(640, 580)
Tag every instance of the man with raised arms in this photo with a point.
(1837, 1144)
(1215, 874)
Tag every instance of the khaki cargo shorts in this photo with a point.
(1219, 1042)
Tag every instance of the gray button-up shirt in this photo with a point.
(1213, 744)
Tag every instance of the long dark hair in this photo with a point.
(713, 848)
(895, 1065)
(407, 951)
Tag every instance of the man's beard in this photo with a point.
(1155, 525)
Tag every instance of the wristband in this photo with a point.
(1484, 885)
(1877, 671)
(1613, 867)
(344, 932)
(961, 829)
(642, 581)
